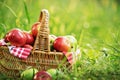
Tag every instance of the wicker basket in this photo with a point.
(41, 57)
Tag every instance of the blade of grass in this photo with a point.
(11, 10)
(26, 12)
(81, 37)
(113, 48)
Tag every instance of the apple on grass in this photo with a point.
(42, 75)
(50, 74)
(28, 74)
(53, 73)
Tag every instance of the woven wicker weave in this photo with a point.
(41, 57)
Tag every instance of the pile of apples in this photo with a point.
(34, 74)
(19, 38)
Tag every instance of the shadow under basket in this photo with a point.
(41, 57)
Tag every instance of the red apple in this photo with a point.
(42, 75)
(62, 44)
(16, 37)
(28, 46)
(35, 28)
(29, 37)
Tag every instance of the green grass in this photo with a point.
(94, 23)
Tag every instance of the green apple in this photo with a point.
(73, 42)
(28, 74)
(53, 73)
(52, 39)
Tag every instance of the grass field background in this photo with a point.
(94, 23)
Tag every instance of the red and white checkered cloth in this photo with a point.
(72, 56)
(19, 52)
(69, 56)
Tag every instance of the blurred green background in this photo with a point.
(94, 23)
(90, 18)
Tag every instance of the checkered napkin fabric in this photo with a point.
(72, 56)
(69, 56)
(19, 52)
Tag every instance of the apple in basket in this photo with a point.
(16, 37)
(35, 28)
(52, 39)
(28, 46)
(73, 42)
(62, 44)
(28, 74)
(29, 37)
(42, 75)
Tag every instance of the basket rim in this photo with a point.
(36, 51)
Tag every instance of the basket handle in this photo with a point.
(42, 39)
